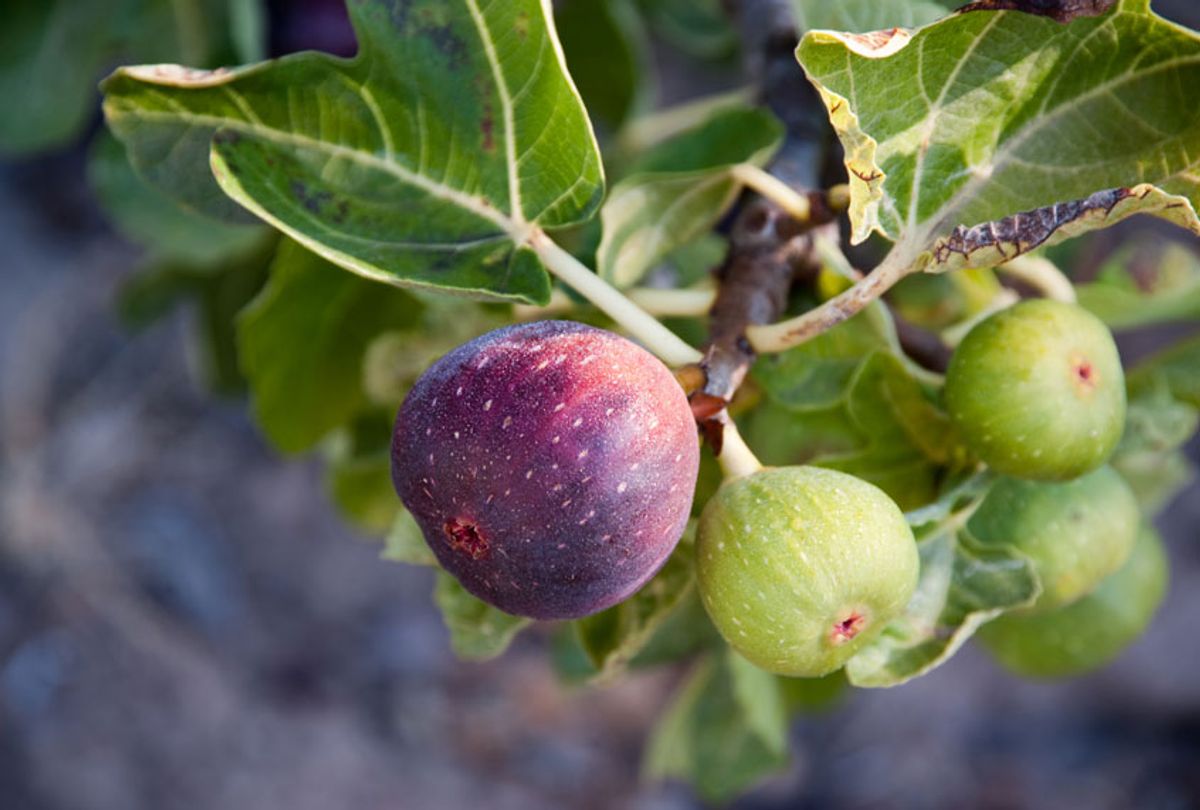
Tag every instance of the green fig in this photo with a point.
(1090, 632)
(799, 567)
(1076, 533)
(1037, 391)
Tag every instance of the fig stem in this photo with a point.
(795, 204)
(737, 459)
(690, 302)
(778, 337)
(1041, 274)
(643, 326)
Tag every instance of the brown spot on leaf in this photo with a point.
(465, 536)
(1022, 232)
(1062, 11)
(487, 125)
(311, 199)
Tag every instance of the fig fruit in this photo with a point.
(550, 466)
(1076, 532)
(1037, 391)
(798, 567)
(1090, 632)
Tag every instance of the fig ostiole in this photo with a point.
(1076, 533)
(1093, 630)
(550, 466)
(1037, 391)
(799, 567)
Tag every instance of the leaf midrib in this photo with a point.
(517, 230)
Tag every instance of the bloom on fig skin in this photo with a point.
(1076, 533)
(550, 466)
(1037, 391)
(799, 567)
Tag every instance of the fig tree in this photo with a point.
(550, 466)
(800, 566)
(1076, 532)
(1037, 391)
(1093, 630)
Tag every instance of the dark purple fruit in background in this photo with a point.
(550, 465)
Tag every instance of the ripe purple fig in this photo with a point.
(550, 466)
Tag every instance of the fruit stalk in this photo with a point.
(645, 327)
(737, 459)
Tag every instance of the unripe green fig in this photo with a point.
(1037, 391)
(799, 567)
(1076, 532)
(1090, 632)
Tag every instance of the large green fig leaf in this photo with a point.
(988, 134)
(962, 585)
(478, 631)
(303, 342)
(678, 191)
(426, 161)
(724, 730)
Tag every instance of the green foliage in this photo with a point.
(723, 730)
(149, 217)
(612, 638)
(52, 52)
(1000, 108)
(303, 342)
(607, 55)
(419, 188)
(1145, 284)
(678, 190)
(865, 414)
(478, 631)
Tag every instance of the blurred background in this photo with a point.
(186, 622)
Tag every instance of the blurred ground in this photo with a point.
(185, 623)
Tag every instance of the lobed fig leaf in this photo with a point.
(425, 161)
(988, 133)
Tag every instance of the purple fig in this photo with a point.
(550, 466)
